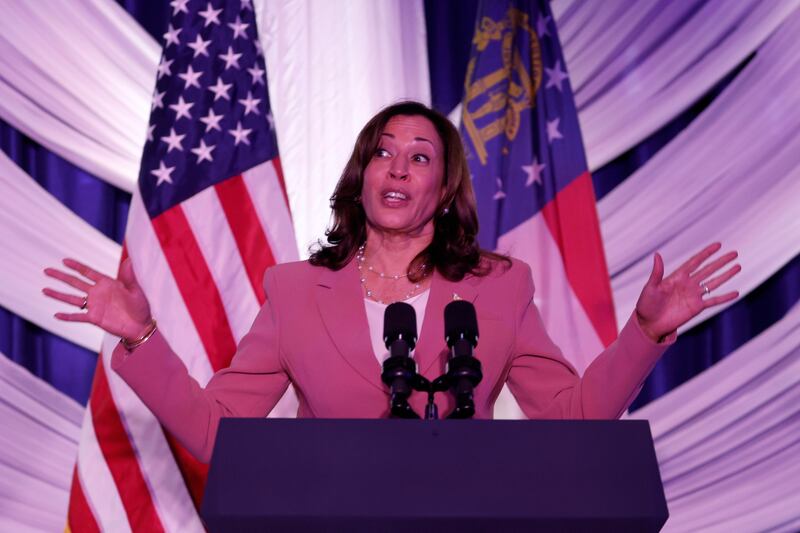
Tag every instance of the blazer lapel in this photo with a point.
(341, 305)
(431, 346)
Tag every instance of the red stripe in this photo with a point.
(196, 285)
(247, 231)
(79, 515)
(120, 457)
(276, 162)
(572, 219)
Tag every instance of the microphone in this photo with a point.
(400, 370)
(463, 369)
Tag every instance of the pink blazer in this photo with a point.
(313, 333)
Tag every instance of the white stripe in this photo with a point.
(265, 191)
(167, 489)
(96, 481)
(166, 302)
(564, 317)
(218, 246)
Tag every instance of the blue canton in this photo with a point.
(210, 115)
(519, 122)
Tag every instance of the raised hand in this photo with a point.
(118, 306)
(666, 303)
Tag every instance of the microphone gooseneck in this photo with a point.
(463, 369)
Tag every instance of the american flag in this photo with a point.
(526, 157)
(209, 216)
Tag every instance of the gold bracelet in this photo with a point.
(130, 345)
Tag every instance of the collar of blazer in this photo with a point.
(341, 305)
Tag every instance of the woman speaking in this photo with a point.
(404, 229)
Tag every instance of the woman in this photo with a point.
(404, 228)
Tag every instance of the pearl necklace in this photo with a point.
(360, 261)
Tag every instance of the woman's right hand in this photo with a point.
(118, 306)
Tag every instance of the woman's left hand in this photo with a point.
(666, 303)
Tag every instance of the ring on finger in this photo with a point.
(85, 303)
(705, 288)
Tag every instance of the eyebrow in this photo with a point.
(415, 138)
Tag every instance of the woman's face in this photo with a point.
(403, 181)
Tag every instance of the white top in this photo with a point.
(375, 313)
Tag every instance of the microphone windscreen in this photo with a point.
(460, 321)
(400, 321)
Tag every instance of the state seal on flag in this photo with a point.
(500, 86)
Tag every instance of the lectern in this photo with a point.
(433, 476)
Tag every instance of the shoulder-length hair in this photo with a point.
(454, 250)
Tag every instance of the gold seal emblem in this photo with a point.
(511, 87)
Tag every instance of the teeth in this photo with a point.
(395, 194)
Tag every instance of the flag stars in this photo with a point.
(534, 172)
(240, 134)
(179, 6)
(181, 109)
(552, 130)
(258, 74)
(203, 152)
(164, 67)
(556, 76)
(190, 77)
(150, 129)
(250, 104)
(247, 5)
(541, 25)
(212, 121)
(220, 90)
(238, 28)
(199, 46)
(171, 37)
(173, 140)
(163, 173)
(158, 100)
(230, 59)
(211, 16)
(271, 121)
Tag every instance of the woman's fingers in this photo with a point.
(714, 265)
(69, 279)
(700, 257)
(721, 299)
(73, 317)
(71, 299)
(84, 270)
(715, 282)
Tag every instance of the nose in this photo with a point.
(399, 168)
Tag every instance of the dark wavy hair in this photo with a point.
(454, 250)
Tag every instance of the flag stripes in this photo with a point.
(119, 455)
(572, 219)
(217, 242)
(173, 504)
(96, 483)
(79, 512)
(196, 285)
(268, 197)
(250, 239)
(186, 476)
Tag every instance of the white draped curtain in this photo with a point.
(77, 78)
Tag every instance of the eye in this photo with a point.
(420, 158)
(382, 152)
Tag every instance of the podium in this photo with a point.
(433, 476)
